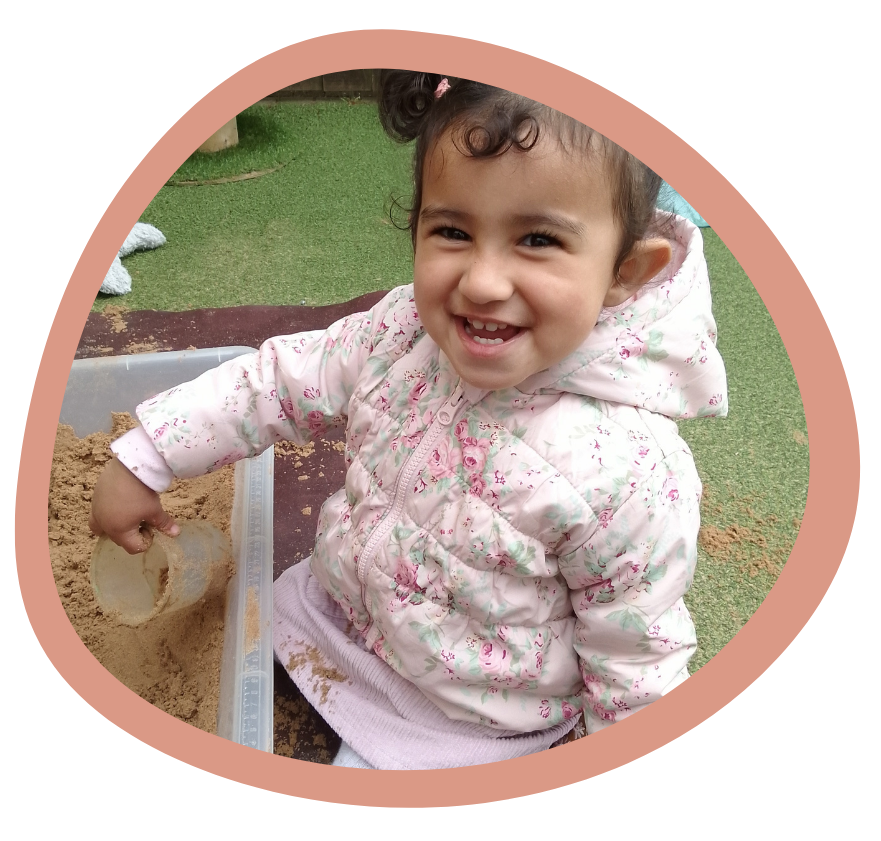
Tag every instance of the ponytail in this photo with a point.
(405, 101)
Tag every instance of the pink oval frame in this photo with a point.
(834, 475)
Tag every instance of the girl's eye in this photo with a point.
(539, 241)
(452, 234)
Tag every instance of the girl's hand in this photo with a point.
(124, 509)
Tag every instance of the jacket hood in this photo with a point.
(656, 351)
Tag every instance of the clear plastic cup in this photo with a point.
(173, 573)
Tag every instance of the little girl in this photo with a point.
(519, 518)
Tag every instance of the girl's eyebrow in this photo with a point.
(528, 220)
(437, 212)
(553, 220)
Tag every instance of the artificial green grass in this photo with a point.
(317, 231)
(267, 139)
(754, 464)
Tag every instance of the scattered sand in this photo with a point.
(322, 674)
(299, 732)
(743, 543)
(289, 448)
(739, 543)
(150, 346)
(115, 313)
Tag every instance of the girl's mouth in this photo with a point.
(488, 332)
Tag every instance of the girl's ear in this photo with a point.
(645, 260)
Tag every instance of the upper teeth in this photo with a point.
(488, 326)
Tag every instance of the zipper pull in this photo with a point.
(445, 415)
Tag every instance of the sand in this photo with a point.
(173, 662)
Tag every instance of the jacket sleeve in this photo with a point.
(634, 636)
(292, 388)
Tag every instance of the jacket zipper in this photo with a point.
(442, 420)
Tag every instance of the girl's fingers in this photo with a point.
(136, 541)
(165, 523)
(94, 527)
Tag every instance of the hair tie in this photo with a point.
(442, 88)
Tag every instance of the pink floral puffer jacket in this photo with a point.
(519, 555)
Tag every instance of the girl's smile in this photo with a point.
(515, 258)
(486, 340)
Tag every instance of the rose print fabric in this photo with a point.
(381, 715)
(518, 555)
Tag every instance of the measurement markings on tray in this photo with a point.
(250, 710)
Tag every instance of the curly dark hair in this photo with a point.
(491, 121)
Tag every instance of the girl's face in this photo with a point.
(514, 258)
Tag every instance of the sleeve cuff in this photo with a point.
(136, 451)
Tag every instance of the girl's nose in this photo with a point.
(485, 280)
